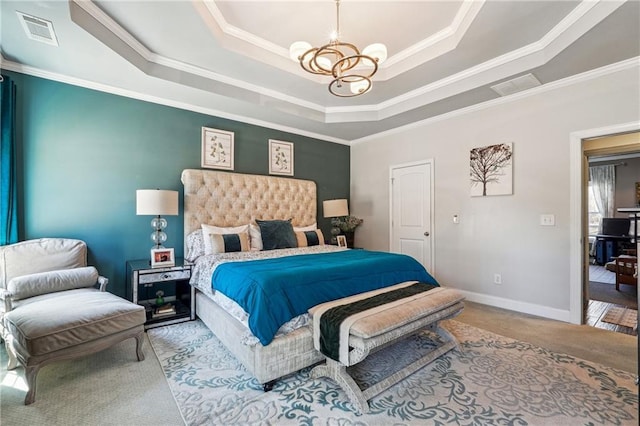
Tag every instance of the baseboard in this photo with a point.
(517, 306)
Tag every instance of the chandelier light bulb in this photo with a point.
(360, 87)
(377, 51)
(297, 49)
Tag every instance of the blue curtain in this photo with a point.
(8, 186)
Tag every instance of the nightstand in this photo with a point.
(144, 283)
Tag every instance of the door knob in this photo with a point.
(426, 233)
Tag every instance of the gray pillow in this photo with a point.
(277, 234)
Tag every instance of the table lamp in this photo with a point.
(157, 202)
(335, 208)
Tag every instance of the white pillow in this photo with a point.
(207, 230)
(311, 227)
(256, 237)
(27, 286)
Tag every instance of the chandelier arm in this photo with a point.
(339, 82)
(352, 61)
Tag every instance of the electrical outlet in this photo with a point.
(497, 279)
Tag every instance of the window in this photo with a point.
(594, 217)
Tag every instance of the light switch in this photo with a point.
(547, 220)
(456, 219)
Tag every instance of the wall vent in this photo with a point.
(518, 84)
(38, 29)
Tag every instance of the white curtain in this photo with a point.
(603, 184)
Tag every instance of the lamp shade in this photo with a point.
(335, 208)
(156, 202)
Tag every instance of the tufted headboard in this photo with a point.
(234, 199)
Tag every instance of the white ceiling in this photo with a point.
(230, 58)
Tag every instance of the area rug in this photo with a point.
(627, 295)
(492, 380)
(621, 316)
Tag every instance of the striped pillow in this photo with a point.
(310, 238)
(227, 243)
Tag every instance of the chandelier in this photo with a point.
(351, 70)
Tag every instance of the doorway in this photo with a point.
(578, 242)
(609, 180)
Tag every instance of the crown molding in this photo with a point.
(74, 81)
(565, 82)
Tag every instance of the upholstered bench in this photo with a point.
(376, 328)
(53, 310)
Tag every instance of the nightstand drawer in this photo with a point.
(164, 276)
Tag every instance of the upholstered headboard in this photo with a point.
(234, 199)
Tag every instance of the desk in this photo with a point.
(635, 211)
(607, 247)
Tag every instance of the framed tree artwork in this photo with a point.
(217, 149)
(491, 170)
(280, 158)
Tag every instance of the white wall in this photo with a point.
(499, 234)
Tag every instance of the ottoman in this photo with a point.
(70, 324)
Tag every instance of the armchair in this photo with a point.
(626, 270)
(55, 307)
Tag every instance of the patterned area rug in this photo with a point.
(621, 316)
(493, 380)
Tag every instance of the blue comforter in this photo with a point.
(273, 291)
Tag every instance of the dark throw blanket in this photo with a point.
(331, 320)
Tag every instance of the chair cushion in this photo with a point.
(55, 321)
(41, 255)
(52, 281)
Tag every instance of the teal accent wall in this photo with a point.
(83, 153)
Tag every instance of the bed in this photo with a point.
(228, 200)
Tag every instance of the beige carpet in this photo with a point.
(621, 316)
(107, 388)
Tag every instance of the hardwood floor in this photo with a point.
(597, 309)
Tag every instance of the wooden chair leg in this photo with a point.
(139, 342)
(31, 374)
(11, 354)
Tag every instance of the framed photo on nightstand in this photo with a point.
(342, 241)
(162, 257)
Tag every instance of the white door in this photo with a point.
(411, 216)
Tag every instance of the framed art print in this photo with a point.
(280, 158)
(162, 257)
(342, 240)
(217, 149)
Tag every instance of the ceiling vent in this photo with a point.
(518, 84)
(38, 29)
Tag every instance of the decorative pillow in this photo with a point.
(210, 229)
(310, 238)
(255, 236)
(227, 243)
(195, 246)
(49, 282)
(311, 227)
(277, 234)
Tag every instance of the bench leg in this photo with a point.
(338, 373)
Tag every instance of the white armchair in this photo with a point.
(55, 307)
